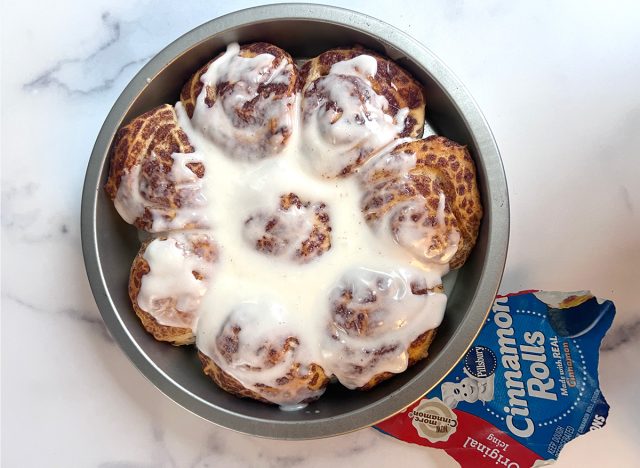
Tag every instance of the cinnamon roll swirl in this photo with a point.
(426, 191)
(255, 355)
(244, 100)
(297, 229)
(155, 179)
(355, 102)
(380, 323)
(168, 278)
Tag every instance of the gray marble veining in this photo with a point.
(559, 87)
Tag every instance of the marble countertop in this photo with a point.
(558, 84)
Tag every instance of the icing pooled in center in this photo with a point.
(302, 281)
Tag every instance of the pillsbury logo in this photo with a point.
(480, 362)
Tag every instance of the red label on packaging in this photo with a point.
(492, 446)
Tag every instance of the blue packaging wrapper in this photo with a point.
(526, 386)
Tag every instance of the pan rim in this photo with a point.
(492, 269)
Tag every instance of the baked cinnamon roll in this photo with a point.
(244, 100)
(155, 179)
(297, 229)
(354, 103)
(168, 278)
(380, 323)
(426, 193)
(255, 355)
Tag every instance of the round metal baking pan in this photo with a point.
(109, 244)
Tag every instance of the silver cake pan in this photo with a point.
(109, 244)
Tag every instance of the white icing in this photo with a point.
(363, 66)
(252, 137)
(389, 162)
(273, 297)
(170, 285)
(295, 407)
(336, 138)
(128, 201)
(236, 190)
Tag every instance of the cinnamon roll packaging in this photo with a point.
(526, 387)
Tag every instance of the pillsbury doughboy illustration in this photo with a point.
(469, 389)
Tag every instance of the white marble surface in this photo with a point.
(558, 83)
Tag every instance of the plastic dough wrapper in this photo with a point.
(526, 387)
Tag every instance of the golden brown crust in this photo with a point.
(177, 336)
(441, 166)
(225, 381)
(315, 380)
(455, 161)
(391, 81)
(148, 142)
